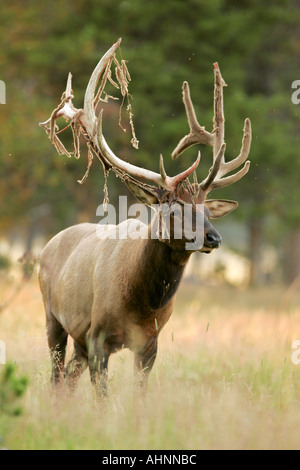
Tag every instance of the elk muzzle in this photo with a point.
(212, 239)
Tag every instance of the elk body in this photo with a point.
(110, 293)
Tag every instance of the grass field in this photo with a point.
(224, 379)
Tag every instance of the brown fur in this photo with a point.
(108, 294)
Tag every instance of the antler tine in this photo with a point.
(68, 92)
(173, 182)
(65, 108)
(88, 107)
(219, 119)
(245, 149)
(225, 167)
(206, 184)
(222, 182)
(198, 134)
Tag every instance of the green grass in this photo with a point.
(223, 379)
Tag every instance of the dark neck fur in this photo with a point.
(159, 274)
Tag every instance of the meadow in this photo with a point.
(224, 378)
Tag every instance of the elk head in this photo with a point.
(175, 192)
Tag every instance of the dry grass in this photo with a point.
(223, 379)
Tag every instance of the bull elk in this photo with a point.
(110, 293)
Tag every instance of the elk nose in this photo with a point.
(213, 240)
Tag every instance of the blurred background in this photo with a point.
(257, 47)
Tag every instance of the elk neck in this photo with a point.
(158, 275)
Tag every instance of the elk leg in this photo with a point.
(57, 341)
(98, 356)
(76, 366)
(143, 363)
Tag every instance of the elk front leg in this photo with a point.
(98, 356)
(143, 363)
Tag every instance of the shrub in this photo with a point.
(12, 387)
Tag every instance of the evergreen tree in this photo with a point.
(165, 43)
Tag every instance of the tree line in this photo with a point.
(165, 43)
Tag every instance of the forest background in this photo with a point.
(257, 46)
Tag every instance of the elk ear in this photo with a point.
(219, 207)
(146, 194)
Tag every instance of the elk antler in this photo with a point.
(86, 122)
(198, 135)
